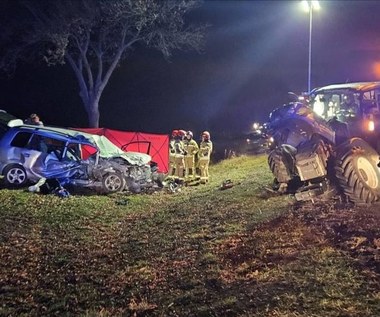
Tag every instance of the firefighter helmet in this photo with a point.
(189, 133)
(206, 135)
(181, 133)
(174, 133)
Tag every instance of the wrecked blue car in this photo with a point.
(29, 153)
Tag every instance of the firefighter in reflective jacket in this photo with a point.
(205, 149)
(179, 155)
(172, 153)
(191, 149)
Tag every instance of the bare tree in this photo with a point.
(92, 36)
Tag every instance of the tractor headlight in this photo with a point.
(371, 126)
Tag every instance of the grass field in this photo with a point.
(200, 251)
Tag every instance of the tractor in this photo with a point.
(329, 144)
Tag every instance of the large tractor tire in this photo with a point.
(279, 161)
(356, 171)
(15, 176)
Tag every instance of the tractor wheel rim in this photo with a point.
(368, 172)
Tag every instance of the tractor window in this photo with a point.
(370, 104)
(369, 95)
(349, 106)
(333, 105)
(319, 105)
(326, 105)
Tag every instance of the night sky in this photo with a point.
(255, 52)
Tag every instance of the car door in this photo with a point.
(53, 162)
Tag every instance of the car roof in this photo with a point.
(5, 117)
(359, 86)
(45, 131)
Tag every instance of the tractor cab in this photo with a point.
(357, 104)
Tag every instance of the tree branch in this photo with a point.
(86, 63)
(99, 56)
(83, 49)
(115, 61)
(81, 81)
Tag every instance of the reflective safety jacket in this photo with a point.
(172, 147)
(205, 149)
(191, 147)
(178, 147)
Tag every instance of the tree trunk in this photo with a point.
(93, 113)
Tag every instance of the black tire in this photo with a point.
(356, 171)
(277, 164)
(15, 176)
(113, 183)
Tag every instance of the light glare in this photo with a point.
(319, 107)
(315, 5)
(310, 5)
(305, 5)
(371, 125)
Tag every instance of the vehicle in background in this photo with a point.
(258, 141)
(255, 142)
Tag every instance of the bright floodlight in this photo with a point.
(310, 5)
(305, 6)
(315, 5)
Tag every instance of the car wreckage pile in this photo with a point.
(329, 145)
(29, 154)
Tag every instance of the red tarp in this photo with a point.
(156, 145)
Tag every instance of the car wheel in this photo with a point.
(357, 172)
(15, 176)
(113, 182)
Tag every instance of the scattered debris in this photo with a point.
(123, 201)
(226, 184)
(49, 186)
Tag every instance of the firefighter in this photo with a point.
(179, 156)
(172, 153)
(191, 149)
(205, 149)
